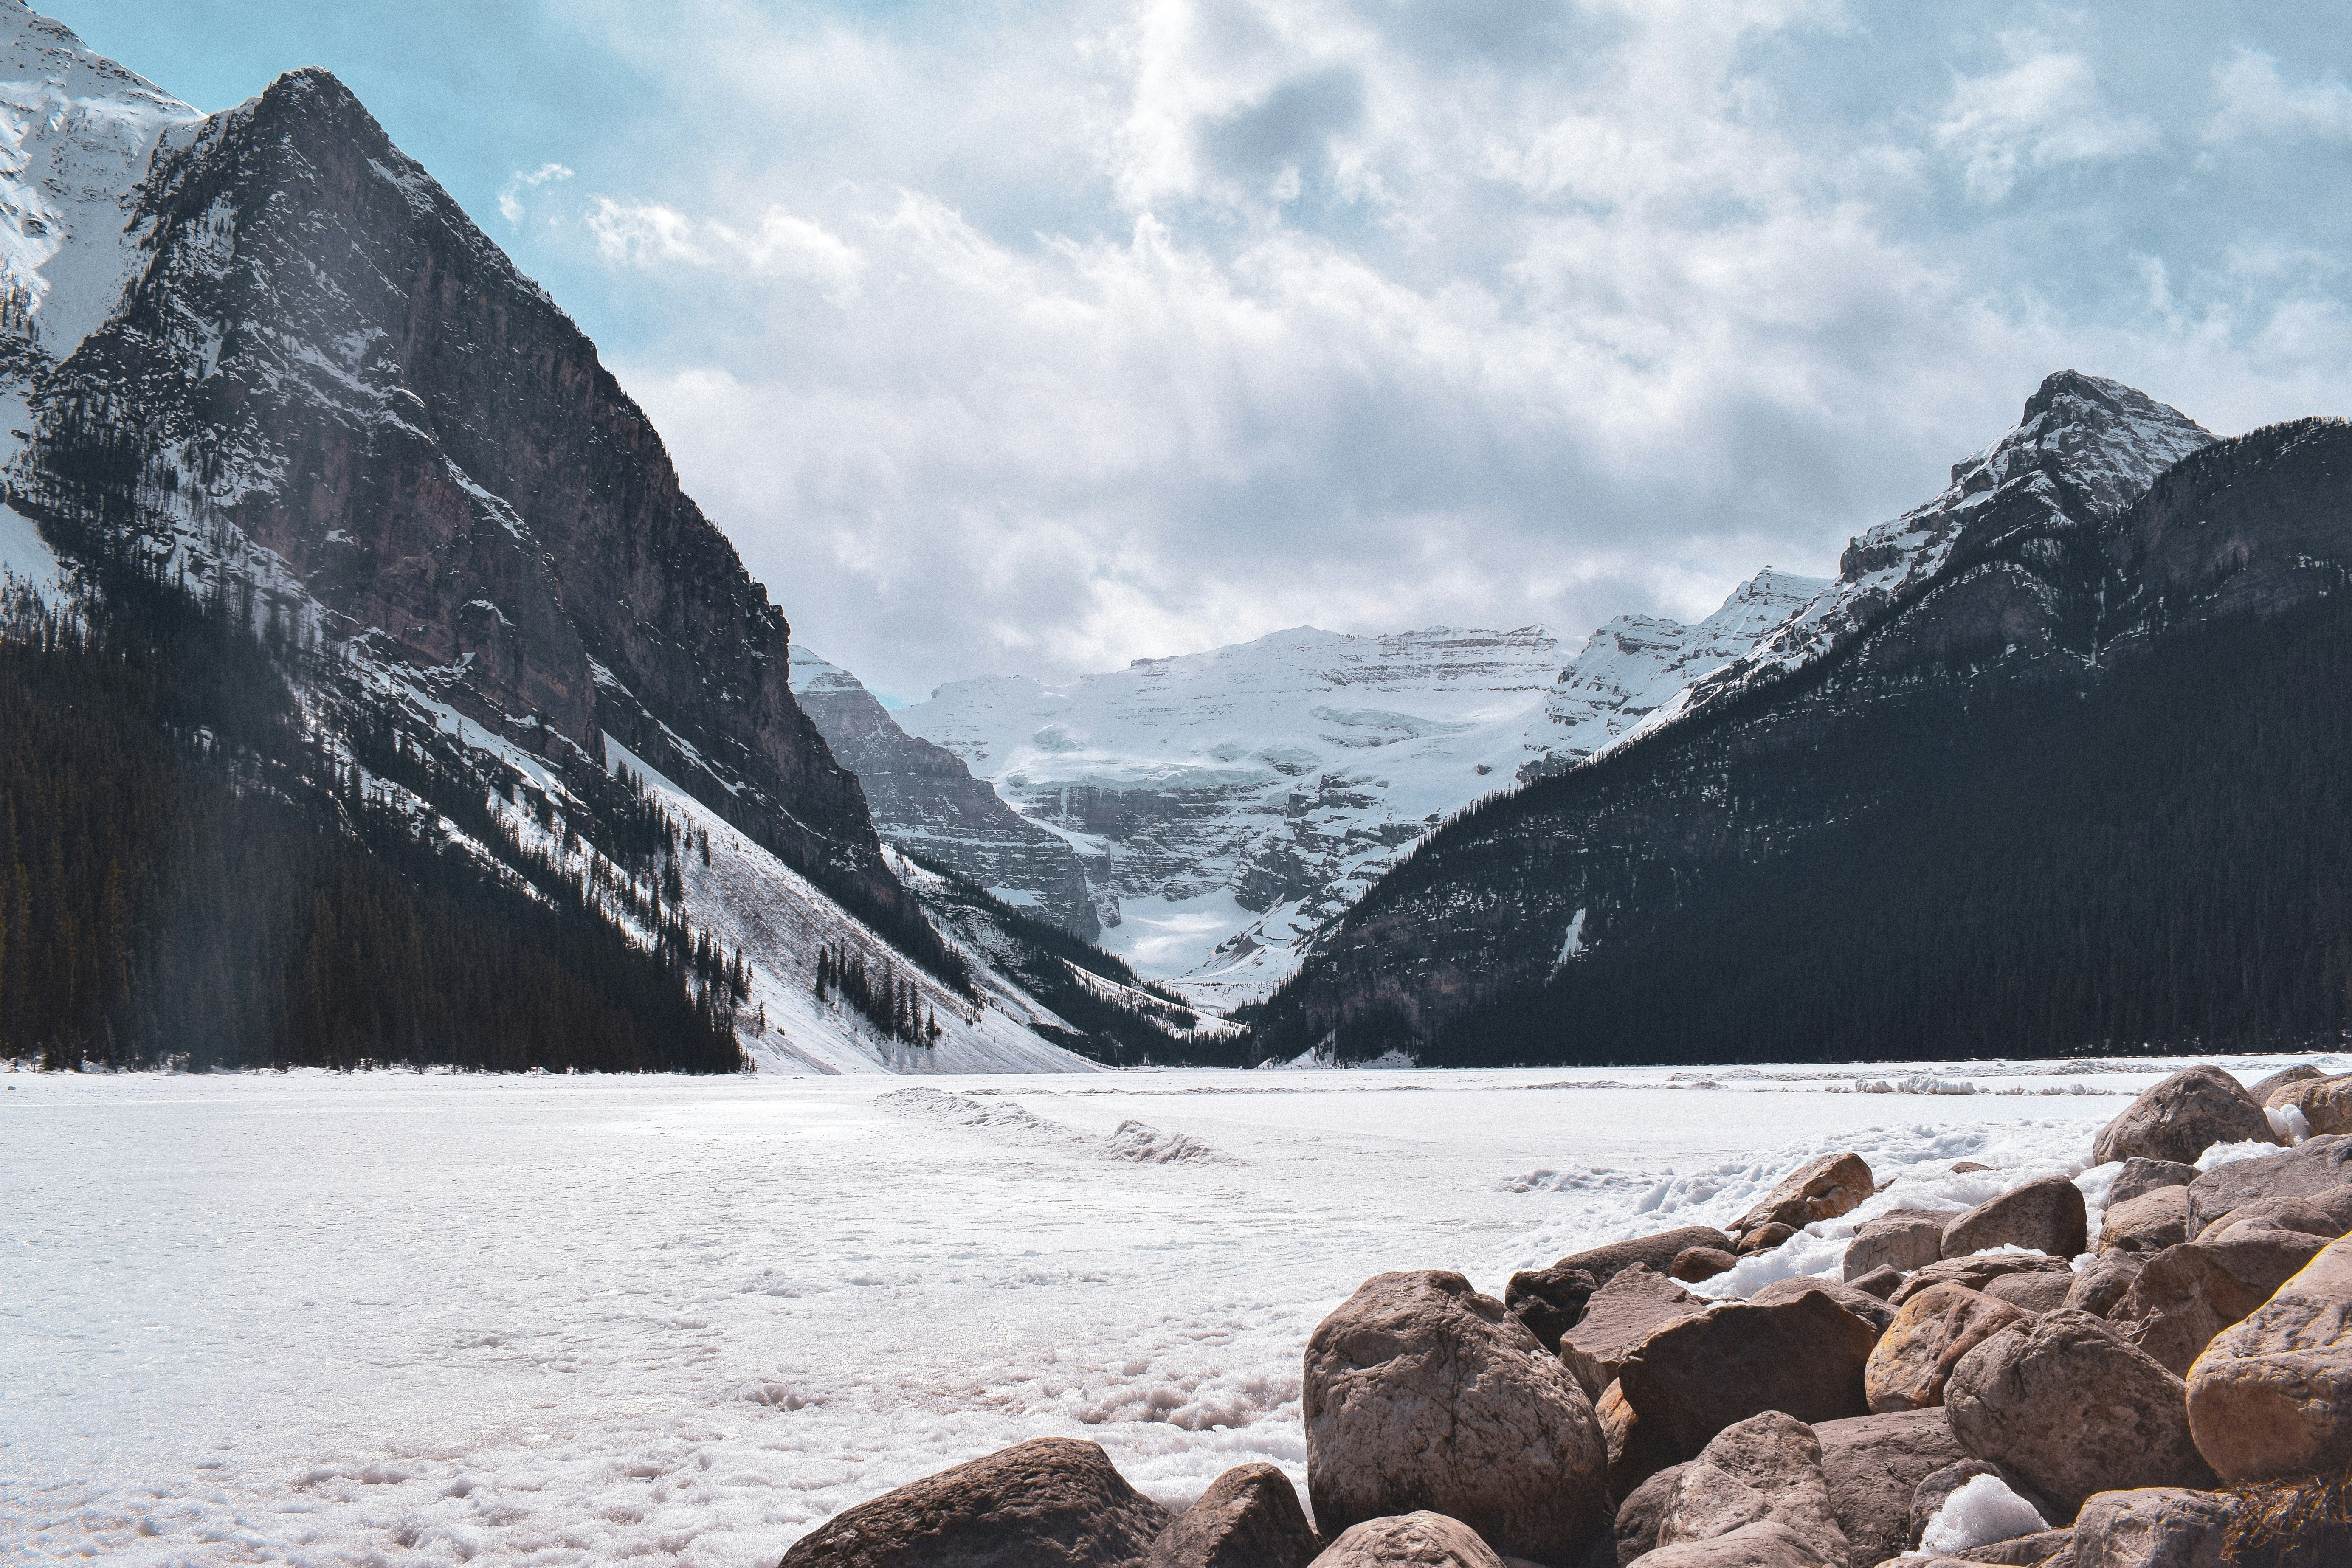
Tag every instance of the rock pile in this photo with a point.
(1977, 1388)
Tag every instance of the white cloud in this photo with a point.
(1046, 338)
(2046, 109)
(511, 195)
(2254, 101)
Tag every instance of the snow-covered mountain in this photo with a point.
(1226, 805)
(263, 356)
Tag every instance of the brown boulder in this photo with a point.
(1871, 1309)
(2035, 1293)
(2325, 1104)
(1550, 1302)
(1977, 1272)
(2189, 1293)
(1765, 1469)
(1820, 1189)
(1963, 1167)
(2182, 1117)
(2074, 1409)
(2324, 1215)
(2141, 1176)
(2154, 1526)
(1047, 1503)
(1880, 1282)
(2271, 1398)
(1631, 1307)
(1654, 1252)
(1875, 1465)
(1638, 1515)
(1422, 1394)
(1418, 1540)
(2052, 1547)
(2284, 1082)
(1931, 1331)
(1693, 1264)
(1765, 1544)
(1692, 1379)
(2316, 1171)
(1249, 1518)
(1634, 1455)
(2097, 1288)
(1765, 1238)
(2148, 1223)
(2045, 1215)
(1898, 1244)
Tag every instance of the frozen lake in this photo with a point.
(436, 1320)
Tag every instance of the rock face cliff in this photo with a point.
(2049, 767)
(322, 375)
(924, 799)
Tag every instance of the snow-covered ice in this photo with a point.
(434, 1319)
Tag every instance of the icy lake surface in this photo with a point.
(429, 1320)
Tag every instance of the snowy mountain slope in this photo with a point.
(1638, 664)
(1227, 804)
(923, 797)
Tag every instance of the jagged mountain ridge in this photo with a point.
(318, 399)
(2041, 572)
(924, 798)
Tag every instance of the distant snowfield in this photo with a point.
(435, 1320)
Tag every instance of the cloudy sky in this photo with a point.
(1042, 337)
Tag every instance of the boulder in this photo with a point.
(2037, 1293)
(2148, 1223)
(1871, 1309)
(2271, 1398)
(1820, 1189)
(1934, 1488)
(1964, 1167)
(2189, 1293)
(1638, 1515)
(1249, 1518)
(1767, 1468)
(1976, 1273)
(1047, 1503)
(1765, 1238)
(1422, 1394)
(2044, 1215)
(1875, 1465)
(2153, 1527)
(1765, 1544)
(2325, 1104)
(1634, 1455)
(2182, 1117)
(1634, 1305)
(1693, 1264)
(1880, 1282)
(1931, 1331)
(1418, 1540)
(2316, 1171)
(2279, 1085)
(1656, 1253)
(2097, 1288)
(1692, 1379)
(1550, 1302)
(1899, 1244)
(2140, 1176)
(2073, 1409)
(2325, 1214)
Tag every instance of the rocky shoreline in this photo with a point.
(2160, 1379)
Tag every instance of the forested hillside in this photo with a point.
(193, 878)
